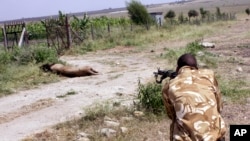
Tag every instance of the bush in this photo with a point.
(150, 97)
(44, 54)
(5, 58)
(170, 15)
(193, 48)
(192, 13)
(23, 56)
(138, 13)
(17, 55)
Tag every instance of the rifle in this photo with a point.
(164, 74)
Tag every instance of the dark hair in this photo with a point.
(186, 60)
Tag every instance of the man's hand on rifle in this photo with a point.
(164, 74)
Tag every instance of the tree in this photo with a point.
(218, 13)
(203, 13)
(138, 13)
(248, 11)
(61, 18)
(80, 25)
(170, 15)
(192, 13)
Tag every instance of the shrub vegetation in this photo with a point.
(138, 13)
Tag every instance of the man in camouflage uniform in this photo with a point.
(193, 103)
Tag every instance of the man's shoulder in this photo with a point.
(186, 71)
(186, 75)
(206, 72)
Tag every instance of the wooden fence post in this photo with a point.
(92, 32)
(108, 28)
(5, 38)
(68, 32)
(47, 32)
(21, 38)
(147, 25)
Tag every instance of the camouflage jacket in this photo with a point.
(193, 102)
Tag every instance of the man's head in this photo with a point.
(186, 60)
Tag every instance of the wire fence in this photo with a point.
(60, 34)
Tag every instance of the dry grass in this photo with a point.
(146, 127)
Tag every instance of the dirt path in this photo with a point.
(31, 111)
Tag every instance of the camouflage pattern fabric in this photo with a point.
(193, 102)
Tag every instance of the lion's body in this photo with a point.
(69, 71)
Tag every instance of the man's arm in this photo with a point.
(167, 103)
(218, 96)
(215, 88)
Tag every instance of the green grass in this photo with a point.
(141, 38)
(69, 93)
(234, 90)
(19, 68)
(15, 77)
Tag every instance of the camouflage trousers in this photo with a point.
(177, 135)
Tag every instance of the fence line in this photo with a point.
(61, 35)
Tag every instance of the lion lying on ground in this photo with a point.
(69, 71)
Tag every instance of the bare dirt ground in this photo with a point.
(235, 43)
(31, 111)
